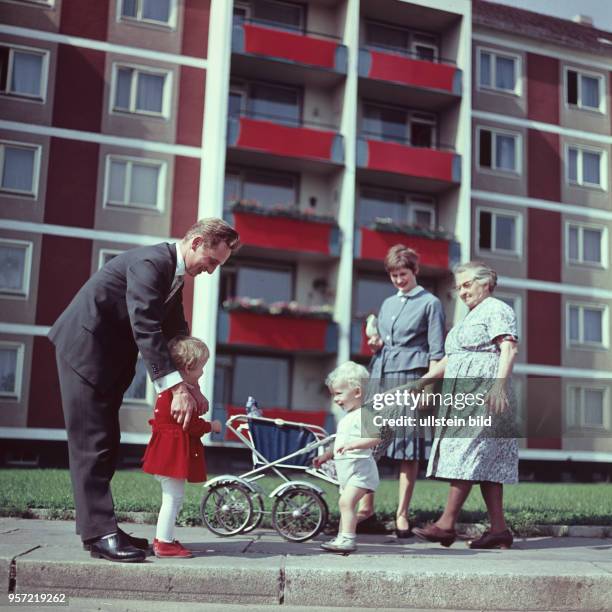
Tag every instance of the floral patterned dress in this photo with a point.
(477, 453)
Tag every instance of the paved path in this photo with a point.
(262, 569)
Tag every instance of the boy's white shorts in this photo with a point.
(357, 472)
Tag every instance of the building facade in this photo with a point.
(325, 131)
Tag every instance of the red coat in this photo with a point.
(172, 451)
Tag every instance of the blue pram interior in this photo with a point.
(274, 441)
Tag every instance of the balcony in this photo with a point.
(359, 340)
(294, 55)
(280, 333)
(400, 164)
(286, 233)
(438, 252)
(295, 146)
(390, 74)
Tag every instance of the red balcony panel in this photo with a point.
(412, 161)
(277, 332)
(312, 417)
(396, 68)
(434, 252)
(284, 140)
(289, 46)
(287, 234)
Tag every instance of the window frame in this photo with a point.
(605, 326)
(518, 72)
(603, 167)
(105, 251)
(570, 388)
(143, 161)
(580, 226)
(41, 3)
(601, 80)
(133, 111)
(141, 21)
(27, 269)
(518, 216)
(231, 271)
(19, 365)
(35, 171)
(44, 74)
(242, 172)
(518, 152)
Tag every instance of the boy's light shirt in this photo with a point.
(348, 431)
(174, 378)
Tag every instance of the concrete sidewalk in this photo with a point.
(261, 568)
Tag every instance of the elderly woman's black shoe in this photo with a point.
(488, 540)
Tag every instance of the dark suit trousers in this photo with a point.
(92, 426)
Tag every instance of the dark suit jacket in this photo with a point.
(120, 311)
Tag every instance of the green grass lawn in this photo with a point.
(525, 503)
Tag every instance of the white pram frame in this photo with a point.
(234, 505)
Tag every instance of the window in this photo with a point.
(498, 71)
(587, 407)
(584, 90)
(269, 189)
(23, 72)
(15, 265)
(270, 284)
(285, 14)
(242, 11)
(499, 150)
(587, 325)
(138, 391)
(399, 206)
(156, 12)
(19, 166)
(137, 183)
(514, 301)
(105, 255)
(585, 167)
(265, 378)
(586, 245)
(499, 232)
(11, 370)
(399, 125)
(392, 38)
(282, 104)
(370, 293)
(141, 90)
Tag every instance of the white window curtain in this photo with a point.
(156, 10)
(592, 325)
(505, 233)
(591, 240)
(144, 185)
(117, 182)
(12, 267)
(590, 167)
(150, 92)
(593, 407)
(504, 73)
(589, 91)
(18, 169)
(131, 183)
(505, 152)
(27, 73)
(8, 370)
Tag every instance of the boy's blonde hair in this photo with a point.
(187, 351)
(349, 372)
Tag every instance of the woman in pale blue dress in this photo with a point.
(480, 354)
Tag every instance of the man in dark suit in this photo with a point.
(131, 305)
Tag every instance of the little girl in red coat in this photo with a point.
(173, 454)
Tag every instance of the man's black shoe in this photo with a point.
(140, 543)
(115, 547)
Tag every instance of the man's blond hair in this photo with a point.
(214, 231)
(187, 351)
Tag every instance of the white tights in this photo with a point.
(173, 491)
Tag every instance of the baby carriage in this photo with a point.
(234, 505)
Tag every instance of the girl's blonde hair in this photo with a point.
(187, 351)
(349, 372)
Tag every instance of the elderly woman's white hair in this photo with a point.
(483, 274)
(349, 372)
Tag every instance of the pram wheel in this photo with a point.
(299, 514)
(258, 512)
(227, 509)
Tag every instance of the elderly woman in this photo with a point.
(411, 341)
(480, 353)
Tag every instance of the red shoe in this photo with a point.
(167, 549)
